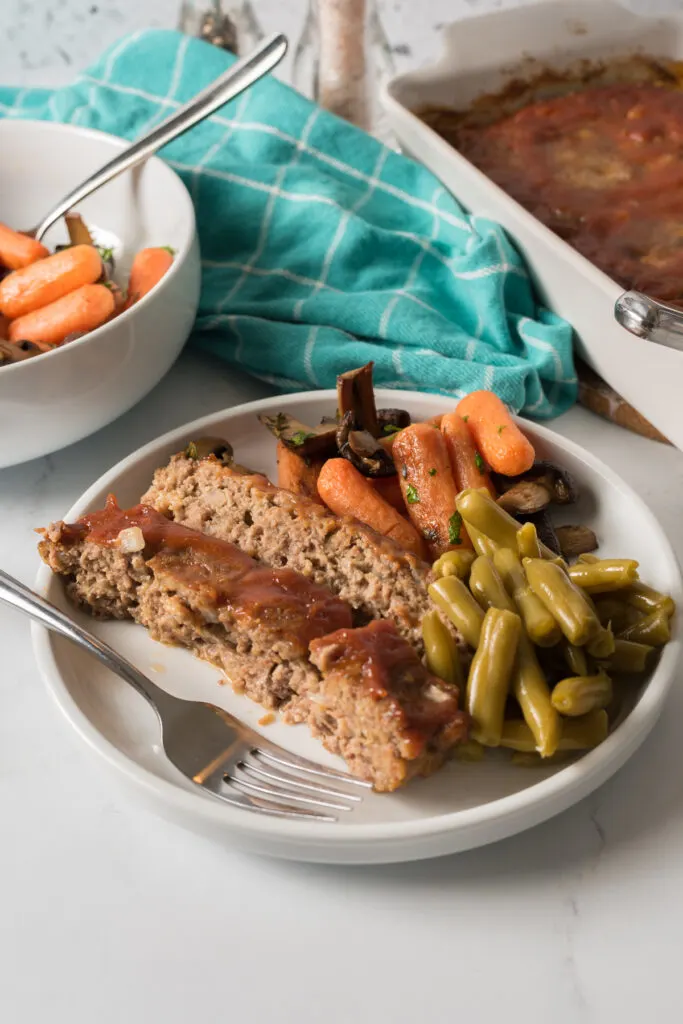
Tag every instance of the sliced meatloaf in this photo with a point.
(198, 592)
(377, 706)
(376, 577)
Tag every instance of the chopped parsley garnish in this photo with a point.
(299, 438)
(465, 419)
(168, 248)
(391, 428)
(106, 253)
(479, 462)
(501, 428)
(455, 529)
(412, 497)
(277, 424)
(191, 451)
(432, 472)
(404, 472)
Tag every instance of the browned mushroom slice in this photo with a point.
(355, 394)
(392, 420)
(304, 440)
(525, 498)
(16, 352)
(576, 540)
(556, 480)
(205, 446)
(78, 232)
(363, 450)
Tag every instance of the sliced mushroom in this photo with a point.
(205, 446)
(16, 352)
(556, 480)
(362, 449)
(78, 232)
(355, 394)
(525, 498)
(301, 438)
(576, 540)
(392, 420)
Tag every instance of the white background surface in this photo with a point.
(108, 915)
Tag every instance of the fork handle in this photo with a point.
(15, 594)
(228, 85)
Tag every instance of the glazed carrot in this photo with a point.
(81, 311)
(389, 488)
(18, 250)
(429, 490)
(348, 493)
(298, 474)
(47, 280)
(149, 266)
(388, 441)
(469, 468)
(496, 434)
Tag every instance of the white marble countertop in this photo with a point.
(108, 915)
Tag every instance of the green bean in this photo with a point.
(627, 657)
(604, 576)
(470, 750)
(441, 649)
(488, 587)
(577, 733)
(481, 511)
(578, 695)
(454, 599)
(576, 659)
(527, 541)
(565, 601)
(454, 563)
(615, 611)
(654, 630)
(647, 599)
(482, 544)
(531, 689)
(489, 676)
(602, 644)
(539, 623)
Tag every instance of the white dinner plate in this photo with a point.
(463, 805)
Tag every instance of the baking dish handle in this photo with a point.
(647, 318)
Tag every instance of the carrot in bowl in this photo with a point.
(496, 434)
(18, 250)
(467, 463)
(82, 310)
(149, 266)
(429, 490)
(297, 473)
(348, 493)
(47, 280)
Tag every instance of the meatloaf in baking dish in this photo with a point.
(363, 691)
(376, 577)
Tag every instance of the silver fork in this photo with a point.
(211, 748)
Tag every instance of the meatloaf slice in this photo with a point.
(376, 577)
(198, 592)
(377, 706)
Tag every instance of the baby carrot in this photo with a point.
(149, 266)
(469, 468)
(428, 487)
(298, 474)
(80, 311)
(389, 488)
(18, 250)
(43, 282)
(496, 434)
(348, 493)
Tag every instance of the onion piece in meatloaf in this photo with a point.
(375, 576)
(197, 592)
(377, 706)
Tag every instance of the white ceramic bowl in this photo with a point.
(55, 399)
(462, 806)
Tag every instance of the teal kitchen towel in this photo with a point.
(321, 248)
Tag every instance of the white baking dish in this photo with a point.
(480, 56)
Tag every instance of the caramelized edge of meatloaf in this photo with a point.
(377, 706)
(373, 574)
(197, 592)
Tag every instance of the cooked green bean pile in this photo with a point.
(550, 642)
